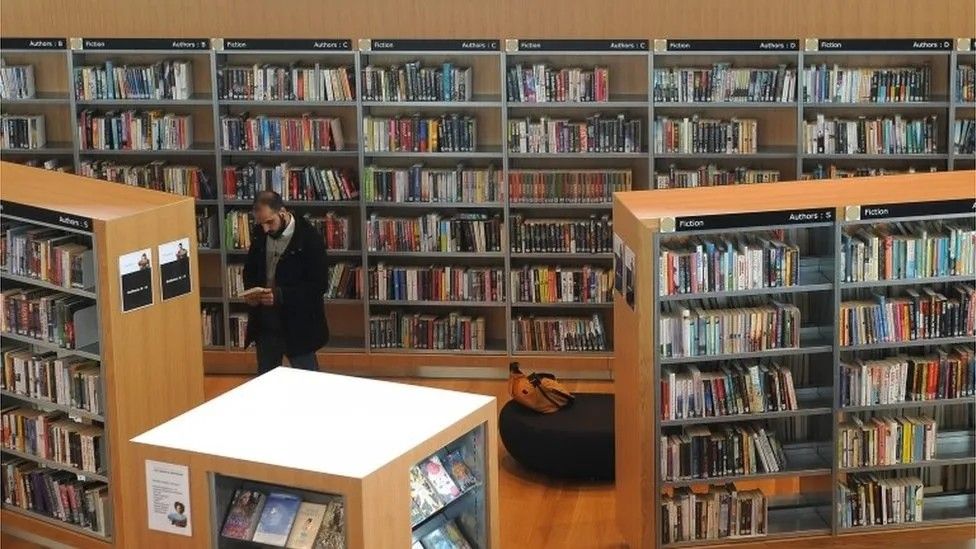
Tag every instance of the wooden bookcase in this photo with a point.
(633, 64)
(365, 459)
(150, 362)
(803, 497)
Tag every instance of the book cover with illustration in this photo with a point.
(442, 483)
(306, 528)
(423, 502)
(460, 471)
(332, 534)
(453, 533)
(277, 518)
(242, 518)
(438, 539)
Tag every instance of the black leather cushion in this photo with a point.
(573, 443)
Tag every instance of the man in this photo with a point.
(287, 263)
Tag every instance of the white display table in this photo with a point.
(326, 438)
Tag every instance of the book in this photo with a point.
(440, 480)
(423, 499)
(308, 520)
(460, 471)
(277, 518)
(438, 539)
(457, 538)
(332, 533)
(242, 518)
(253, 291)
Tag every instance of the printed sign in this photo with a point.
(618, 264)
(174, 268)
(630, 262)
(168, 497)
(135, 273)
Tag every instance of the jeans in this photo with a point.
(271, 348)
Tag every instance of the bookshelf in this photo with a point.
(380, 489)
(97, 377)
(802, 497)
(514, 189)
(963, 104)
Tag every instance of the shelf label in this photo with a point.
(884, 44)
(135, 276)
(918, 209)
(622, 44)
(396, 44)
(43, 215)
(33, 43)
(145, 43)
(753, 219)
(174, 269)
(771, 45)
(288, 44)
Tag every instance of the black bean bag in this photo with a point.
(573, 443)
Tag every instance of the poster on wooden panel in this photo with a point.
(629, 274)
(174, 269)
(168, 497)
(135, 274)
(618, 264)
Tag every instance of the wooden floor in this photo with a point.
(541, 514)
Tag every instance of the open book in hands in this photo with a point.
(257, 290)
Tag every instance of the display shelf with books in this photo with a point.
(65, 386)
(800, 408)
(962, 123)
(429, 469)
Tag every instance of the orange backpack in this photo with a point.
(539, 392)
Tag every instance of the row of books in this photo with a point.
(542, 83)
(306, 133)
(170, 79)
(964, 136)
(593, 235)
(420, 184)
(412, 81)
(158, 175)
(447, 283)
(702, 452)
(917, 316)
(946, 374)
(434, 233)
(835, 84)
(22, 131)
(711, 175)
(881, 135)
(451, 132)
(439, 480)
(724, 264)
(560, 284)
(559, 334)
(237, 329)
(283, 519)
(52, 436)
(345, 281)
(867, 499)
(595, 134)
(212, 325)
(17, 82)
(69, 381)
(335, 229)
(885, 440)
(721, 83)
(723, 512)
(208, 228)
(595, 186)
(705, 135)
(293, 82)
(733, 389)
(134, 131)
(832, 171)
(56, 494)
(898, 251)
(965, 83)
(693, 331)
(50, 255)
(293, 183)
(66, 320)
(453, 332)
(238, 228)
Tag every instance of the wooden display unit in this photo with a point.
(149, 362)
(370, 436)
(803, 498)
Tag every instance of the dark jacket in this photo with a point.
(301, 280)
